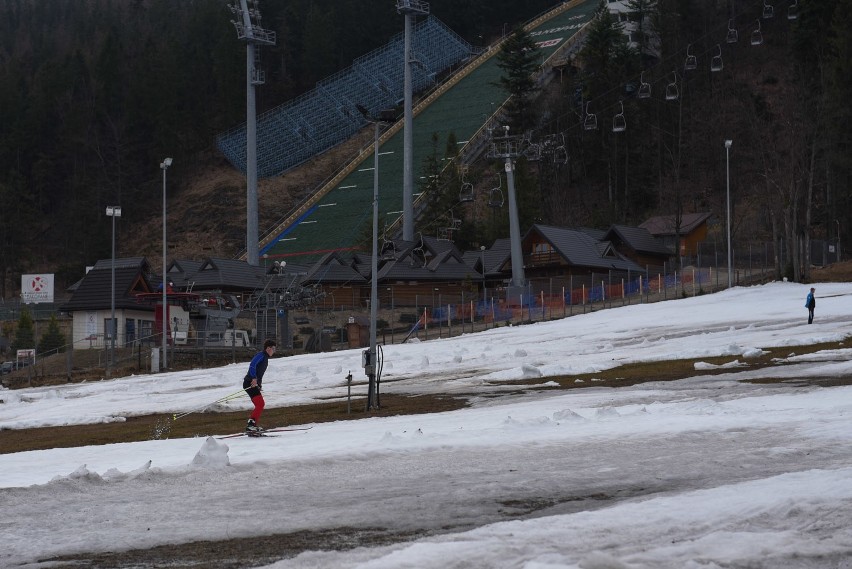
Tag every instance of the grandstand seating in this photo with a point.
(325, 116)
(335, 216)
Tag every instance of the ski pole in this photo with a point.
(233, 395)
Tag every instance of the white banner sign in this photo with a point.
(37, 288)
(91, 325)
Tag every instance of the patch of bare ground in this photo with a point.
(206, 215)
(216, 423)
(833, 273)
(235, 553)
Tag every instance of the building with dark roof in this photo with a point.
(638, 245)
(681, 235)
(557, 251)
(91, 303)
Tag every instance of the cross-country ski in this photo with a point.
(265, 432)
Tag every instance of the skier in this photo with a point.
(810, 304)
(252, 384)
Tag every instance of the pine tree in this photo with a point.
(52, 340)
(24, 335)
(519, 59)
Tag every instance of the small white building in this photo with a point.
(91, 305)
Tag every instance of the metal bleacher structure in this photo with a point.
(292, 133)
(464, 105)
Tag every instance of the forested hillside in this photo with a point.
(95, 93)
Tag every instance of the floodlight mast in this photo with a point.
(410, 9)
(249, 30)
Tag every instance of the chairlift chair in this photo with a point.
(716, 63)
(495, 196)
(672, 93)
(466, 193)
(388, 251)
(732, 36)
(793, 10)
(619, 123)
(644, 88)
(418, 254)
(756, 35)
(560, 155)
(533, 152)
(591, 120)
(768, 11)
(691, 61)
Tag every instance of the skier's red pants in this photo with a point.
(259, 404)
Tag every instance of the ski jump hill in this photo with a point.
(333, 218)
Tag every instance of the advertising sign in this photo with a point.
(37, 288)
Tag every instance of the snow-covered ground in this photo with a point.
(707, 472)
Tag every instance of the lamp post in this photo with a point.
(370, 367)
(164, 166)
(482, 254)
(728, 176)
(837, 221)
(112, 211)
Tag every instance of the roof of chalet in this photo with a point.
(425, 259)
(494, 256)
(333, 267)
(446, 265)
(665, 224)
(580, 249)
(94, 291)
(639, 239)
(180, 272)
(597, 234)
(225, 274)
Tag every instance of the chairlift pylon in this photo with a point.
(756, 35)
(672, 93)
(619, 123)
(716, 63)
(644, 88)
(733, 35)
(691, 61)
(591, 120)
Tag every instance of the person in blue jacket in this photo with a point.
(252, 383)
(810, 304)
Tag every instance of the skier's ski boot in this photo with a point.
(252, 430)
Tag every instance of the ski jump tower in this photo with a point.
(410, 9)
(250, 31)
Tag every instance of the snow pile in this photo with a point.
(211, 455)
